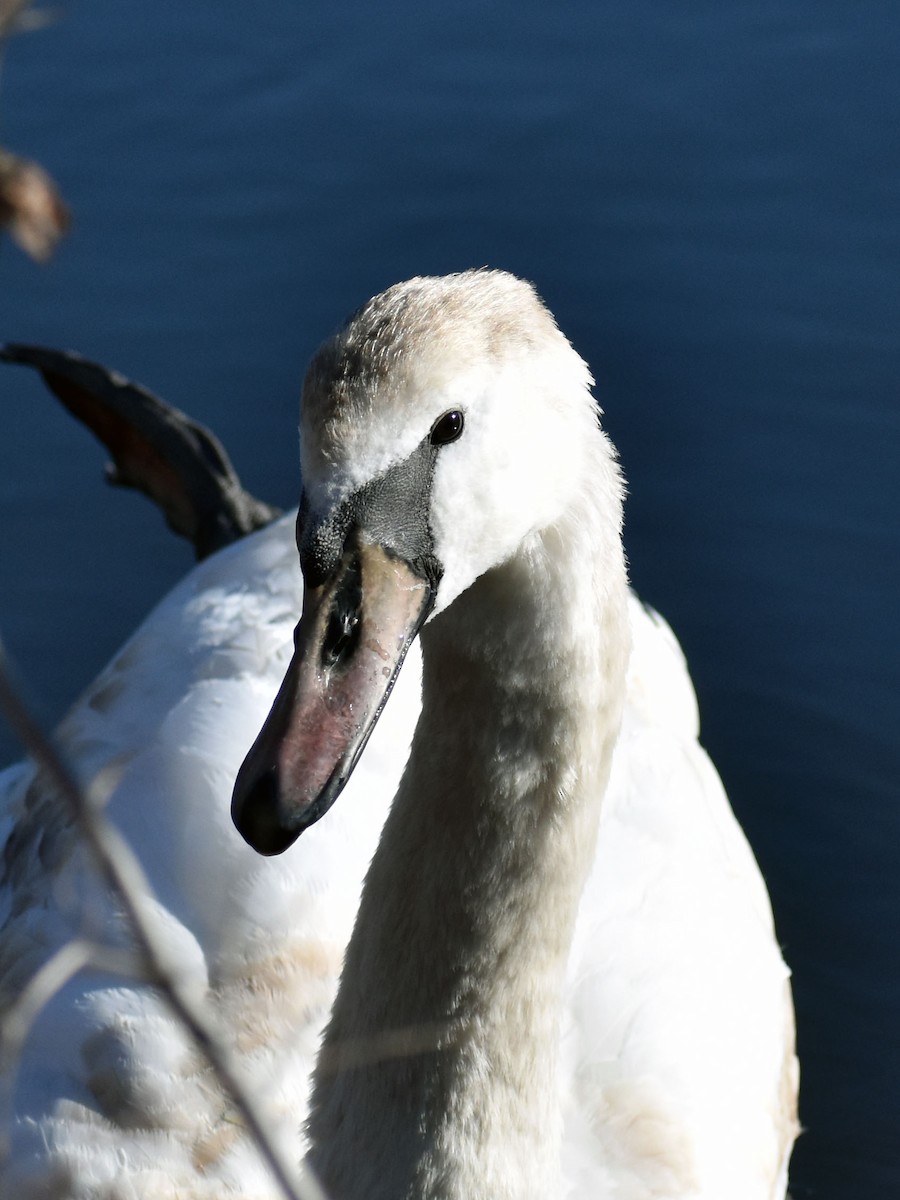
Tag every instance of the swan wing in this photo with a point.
(680, 1072)
(108, 1088)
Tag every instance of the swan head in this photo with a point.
(445, 425)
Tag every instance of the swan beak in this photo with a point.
(353, 635)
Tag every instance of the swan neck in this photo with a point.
(442, 1043)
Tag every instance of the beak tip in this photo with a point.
(257, 814)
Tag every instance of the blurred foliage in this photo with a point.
(31, 208)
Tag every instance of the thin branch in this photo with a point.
(121, 871)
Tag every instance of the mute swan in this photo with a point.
(563, 977)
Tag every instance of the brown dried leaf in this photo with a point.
(16, 16)
(31, 206)
(10, 14)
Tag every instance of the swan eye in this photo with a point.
(447, 428)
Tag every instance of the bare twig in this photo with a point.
(123, 874)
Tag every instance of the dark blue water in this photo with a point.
(707, 195)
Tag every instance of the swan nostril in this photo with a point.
(257, 814)
(343, 628)
(341, 636)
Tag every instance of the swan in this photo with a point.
(521, 908)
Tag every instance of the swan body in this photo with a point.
(562, 979)
(109, 1093)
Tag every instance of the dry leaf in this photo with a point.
(30, 206)
(17, 17)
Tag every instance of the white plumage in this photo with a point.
(676, 1069)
